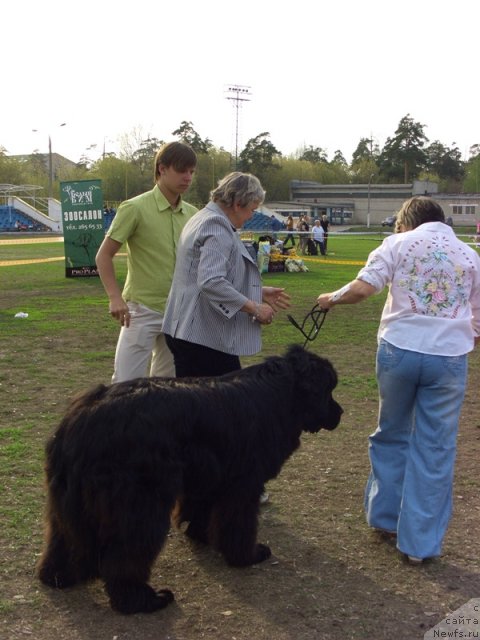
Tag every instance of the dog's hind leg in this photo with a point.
(197, 514)
(233, 530)
(126, 562)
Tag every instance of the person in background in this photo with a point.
(319, 237)
(303, 227)
(430, 322)
(290, 237)
(325, 224)
(217, 303)
(275, 225)
(149, 225)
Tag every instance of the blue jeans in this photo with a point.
(412, 452)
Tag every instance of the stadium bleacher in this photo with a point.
(258, 222)
(108, 216)
(13, 220)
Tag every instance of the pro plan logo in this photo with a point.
(81, 198)
(462, 623)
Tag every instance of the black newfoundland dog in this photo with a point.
(128, 457)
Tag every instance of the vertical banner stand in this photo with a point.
(83, 232)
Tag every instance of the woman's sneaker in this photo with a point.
(414, 560)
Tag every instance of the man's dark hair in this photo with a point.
(177, 155)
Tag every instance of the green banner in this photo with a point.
(83, 232)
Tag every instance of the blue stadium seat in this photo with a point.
(258, 222)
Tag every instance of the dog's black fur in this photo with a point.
(124, 455)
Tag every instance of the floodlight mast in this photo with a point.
(50, 161)
(238, 94)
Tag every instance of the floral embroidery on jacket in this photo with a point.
(435, 285)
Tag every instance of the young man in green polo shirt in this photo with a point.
(149, 225)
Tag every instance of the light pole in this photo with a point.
(50, 162)
(239, 94)
(368, 200)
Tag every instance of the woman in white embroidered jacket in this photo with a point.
(217, 303)
(430, 322)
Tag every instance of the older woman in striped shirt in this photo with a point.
(217, 303)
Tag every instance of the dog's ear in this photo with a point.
(299, 359)
(306, 365)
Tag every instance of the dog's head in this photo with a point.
(314, 382)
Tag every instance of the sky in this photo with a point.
(318, 73)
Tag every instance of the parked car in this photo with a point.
(389, 221)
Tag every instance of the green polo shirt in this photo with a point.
(150, 227)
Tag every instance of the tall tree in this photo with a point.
(367, 149)
(314, 154)
(403, 157)
(188, 135)
(12, 171)
(445, 162)
(259, 155)
(144, 156)
(364, 167)
(471, 183)
(210, 169)
(339, 158)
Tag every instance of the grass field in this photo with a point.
(329, 578)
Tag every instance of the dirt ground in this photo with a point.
(330, 576)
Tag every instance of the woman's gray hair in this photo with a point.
(416, 211)
(238, 188)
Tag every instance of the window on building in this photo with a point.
(470, 209)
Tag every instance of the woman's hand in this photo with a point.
(263, 313)
(324, 301)
(276, 297)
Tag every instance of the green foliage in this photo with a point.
(259, 155)
(314, 155)
(186, 133)
(366, 150)
(339, 158)
(210, 169)
(446, 163)
(144, 155)
(12, 171)
(472, 175)
(403, 157)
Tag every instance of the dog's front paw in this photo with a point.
(261, 553)
(56, 578)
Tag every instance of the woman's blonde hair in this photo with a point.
(416, 211)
